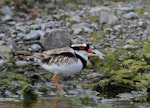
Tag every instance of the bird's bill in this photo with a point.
(90, 51)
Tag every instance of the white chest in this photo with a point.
(64, 69)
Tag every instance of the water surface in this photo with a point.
(65, 102)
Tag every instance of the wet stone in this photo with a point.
(117, 101)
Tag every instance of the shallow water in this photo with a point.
(65, 102)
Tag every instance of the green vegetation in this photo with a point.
(97, 36)
(28, 93)
(132, 72)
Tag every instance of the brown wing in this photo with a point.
(65, 57)
(58, 56)
(58, 51)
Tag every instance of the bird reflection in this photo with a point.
(54, 104)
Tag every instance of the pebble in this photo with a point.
(131, 15)
(130, 47)
(142, 24)
(117, 28)
(6, 18)
(33, 35)
(95, 10)
(121, 10)
(2, 63)
(20, 63)
(77, 28)
(94, 75)
(35, 47)
(107, 18)
(76, 18)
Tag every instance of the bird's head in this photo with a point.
(82, 50)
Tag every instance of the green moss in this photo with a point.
(28, 93)
(48, 76)
(134, 43)
(104, 83)
(87, 86)
(4, 82)
(93, 18)
(140, 11)
(111, 59)
(64, 17)
(86, 100)
(105, 26)
(17, 77)
(96, 37)
(44, 90)
(122, 42)
(146, 48)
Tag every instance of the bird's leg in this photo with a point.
(56, 80)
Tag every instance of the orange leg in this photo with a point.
(56, 80)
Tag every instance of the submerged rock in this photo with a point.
(117, 101)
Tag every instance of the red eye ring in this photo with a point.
(81, 48)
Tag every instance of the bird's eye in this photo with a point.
(81, 48)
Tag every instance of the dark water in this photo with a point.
(65, 102)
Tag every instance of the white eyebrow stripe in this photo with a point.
(84, 44)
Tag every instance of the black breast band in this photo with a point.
(82, 60)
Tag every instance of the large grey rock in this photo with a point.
(107, 18)
(56, 39)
